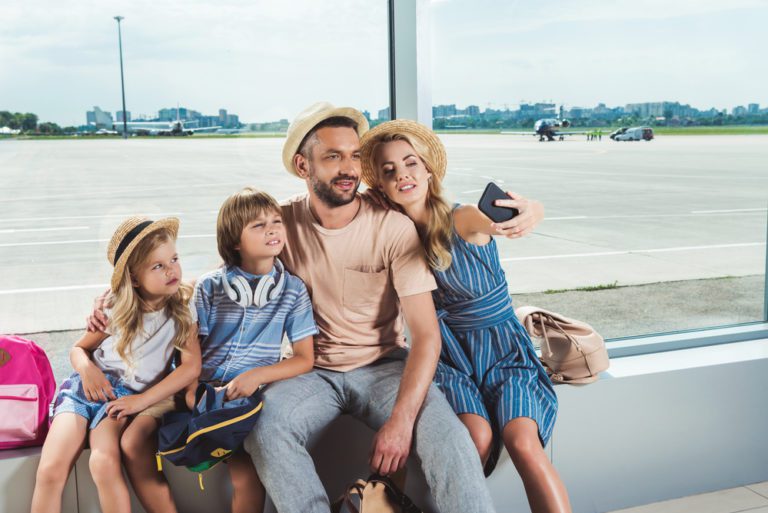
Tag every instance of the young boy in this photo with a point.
(243, 309)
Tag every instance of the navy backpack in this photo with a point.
(210, 433)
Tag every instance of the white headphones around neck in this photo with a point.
(239, 290)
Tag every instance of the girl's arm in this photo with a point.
(186, 373)
(95, 384)
(302, 361)
(475, 227)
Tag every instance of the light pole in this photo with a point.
(122, 80)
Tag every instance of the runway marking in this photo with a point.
(473, 191)
(492, 178)
(729, 211)
(20, 230)
(638, 216)
(102, 216)
(633, 252)
(101, 286)
(121, 190)
(87, 241)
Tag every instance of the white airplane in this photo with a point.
(173, 128)
(549, 129)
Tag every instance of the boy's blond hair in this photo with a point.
(235, 213)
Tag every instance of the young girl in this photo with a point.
(488, 369)
(123, 381)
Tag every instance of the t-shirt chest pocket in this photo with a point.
(363, 294)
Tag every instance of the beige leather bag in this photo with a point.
(378, 494)
(571, 351)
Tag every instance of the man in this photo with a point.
(361, 264)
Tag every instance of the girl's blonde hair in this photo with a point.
(437, 238)
(128, 308)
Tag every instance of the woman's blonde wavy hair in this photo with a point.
(128, 308)
(437, 238)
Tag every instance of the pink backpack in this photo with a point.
(27, 388)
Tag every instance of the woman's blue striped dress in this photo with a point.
(488, 365)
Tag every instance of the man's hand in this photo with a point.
(127, 405)
(391, 447)
(531, 214)
(97, 321)
(95, 384)
(244, 385)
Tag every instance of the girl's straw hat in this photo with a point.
(127, 236)
(435, 157)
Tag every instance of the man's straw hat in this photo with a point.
(308, 119)
(435, 156)
(127, 236)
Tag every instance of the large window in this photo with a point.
(247, 67)
(640, 237)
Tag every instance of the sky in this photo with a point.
(266, 60)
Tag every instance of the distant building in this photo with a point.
(472, 110)
(753, 108)
(384, 114)
(740, 111)
(367, 115)
(99, 118)
(444, 111)
(659, 109)
(119, 115)
(182, 113)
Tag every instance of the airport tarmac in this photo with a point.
(673, 209)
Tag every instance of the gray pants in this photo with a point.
(297, 408)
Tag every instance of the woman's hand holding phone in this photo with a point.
(523, 215)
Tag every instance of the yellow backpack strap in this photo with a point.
(159, 463)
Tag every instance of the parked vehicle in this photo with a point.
(618, 131)
(638, 133)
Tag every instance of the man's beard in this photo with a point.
(326, 193)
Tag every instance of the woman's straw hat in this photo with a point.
(127, 236)
(308, 119)
(435, 157)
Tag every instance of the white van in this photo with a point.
(638, 133)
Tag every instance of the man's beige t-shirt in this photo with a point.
(355, 275)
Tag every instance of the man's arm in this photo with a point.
(392, 443)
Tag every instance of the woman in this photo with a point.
(488, 369)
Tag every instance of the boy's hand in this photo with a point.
(244, 385)
(127, 405)
(95, 384)
(97, 321)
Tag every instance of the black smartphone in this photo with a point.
(492, 193)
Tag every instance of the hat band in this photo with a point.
(129, 237)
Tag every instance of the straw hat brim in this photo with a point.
(169, 223)
(436, 158)
(302, 127)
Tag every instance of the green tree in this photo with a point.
(28, 122)
(49, 129)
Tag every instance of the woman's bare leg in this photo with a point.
(481, 433)
(543, 486)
